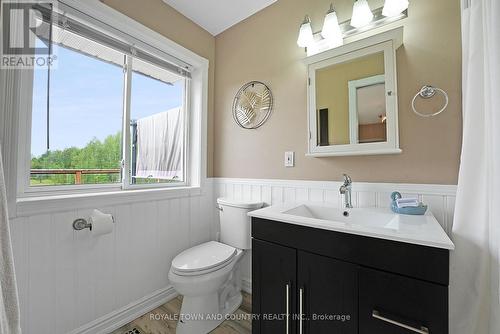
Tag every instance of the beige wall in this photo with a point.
(332, 92)
(263, 47)
(156, 15)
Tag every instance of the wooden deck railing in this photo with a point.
(76, 172)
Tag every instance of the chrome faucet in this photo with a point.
(345, 189)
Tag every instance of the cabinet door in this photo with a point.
(394, 304)
(329, 295)
(273, 288)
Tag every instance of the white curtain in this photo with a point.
(9, 303)
(474, 281)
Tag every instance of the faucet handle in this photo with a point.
(347, 179)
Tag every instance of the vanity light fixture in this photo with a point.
(361, 14)
(331, 28)
(394, 7)
(363, 19)
(306, 37)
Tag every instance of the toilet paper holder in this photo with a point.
(81, 224)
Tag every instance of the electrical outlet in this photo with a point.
(289, 159)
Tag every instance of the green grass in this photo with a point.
(42, 182)
(58, 180)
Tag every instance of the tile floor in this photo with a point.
(161, 320)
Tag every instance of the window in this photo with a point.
(76, 138)
(157, 125)
(107, 113)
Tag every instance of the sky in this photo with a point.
(86, 101)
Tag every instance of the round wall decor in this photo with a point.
(252, 105)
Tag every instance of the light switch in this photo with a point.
(289, 159)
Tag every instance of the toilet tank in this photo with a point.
(235, 225)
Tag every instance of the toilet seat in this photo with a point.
(202, 259)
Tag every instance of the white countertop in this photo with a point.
(379, 223)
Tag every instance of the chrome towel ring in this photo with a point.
(426, 92)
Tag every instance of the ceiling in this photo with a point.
(215, 16)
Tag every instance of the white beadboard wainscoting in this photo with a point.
(72, 282)
(440, 198)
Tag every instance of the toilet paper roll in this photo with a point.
(102, 223)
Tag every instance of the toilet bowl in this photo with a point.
(208, 275)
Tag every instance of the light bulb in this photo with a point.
(361, 14)
(306, 37)
(394, 7)
(331, 29)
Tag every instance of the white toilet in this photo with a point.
(208, 275)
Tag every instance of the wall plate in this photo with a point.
(289, 159)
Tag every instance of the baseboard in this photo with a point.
(124, 315)
(246, 285)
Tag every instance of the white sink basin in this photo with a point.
(374, 222)
(362, 217)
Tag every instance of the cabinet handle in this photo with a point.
(301, 310)
(287, 308)
(421, 330)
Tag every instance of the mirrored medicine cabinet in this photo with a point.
(352, 98)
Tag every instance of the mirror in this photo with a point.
(350, 98)
(352, 101)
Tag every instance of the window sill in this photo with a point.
(27, 206)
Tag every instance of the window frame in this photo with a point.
(126, 147)
(196, 99)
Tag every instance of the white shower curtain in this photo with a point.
(9, 304)
(474, 280)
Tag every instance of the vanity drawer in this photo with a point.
(389, 304)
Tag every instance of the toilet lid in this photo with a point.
(203, 257)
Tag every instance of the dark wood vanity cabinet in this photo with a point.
(274, 269)
(343, 283)
(409, 301)
(329, 287)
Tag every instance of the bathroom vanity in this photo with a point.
(316, 271)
